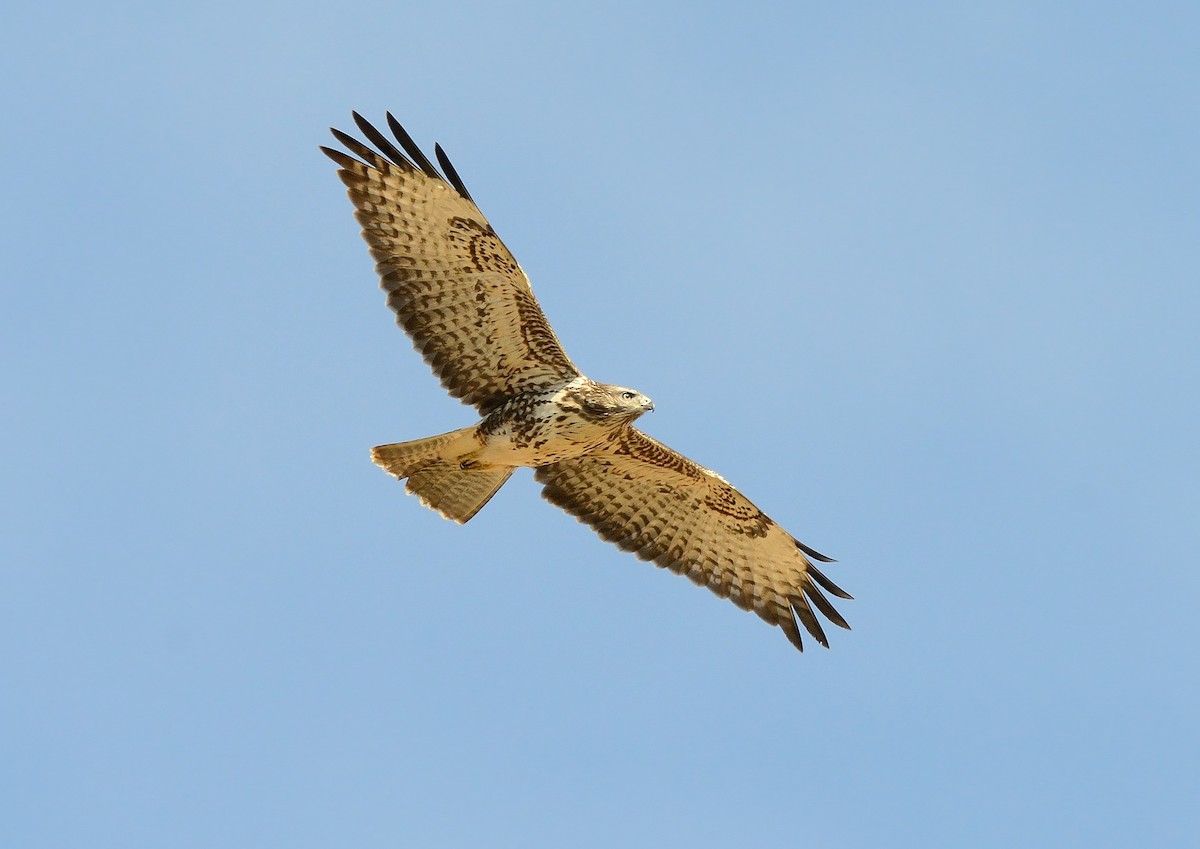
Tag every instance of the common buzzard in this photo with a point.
(467, 304)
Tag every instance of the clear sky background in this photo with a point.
(920, 278)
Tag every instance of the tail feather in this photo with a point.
(403, 458)
(456, 493)
(435, 475)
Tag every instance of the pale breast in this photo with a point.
(534, 430)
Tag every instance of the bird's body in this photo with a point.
(457, 290)
(558, 423)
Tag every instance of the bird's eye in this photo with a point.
(628, 396)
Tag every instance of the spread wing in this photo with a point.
(648, 499)
(452, 283)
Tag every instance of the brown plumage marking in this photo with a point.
(457, 290)
(486, 251)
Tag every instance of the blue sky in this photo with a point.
(920, 278)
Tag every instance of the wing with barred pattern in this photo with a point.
(658, 504)
(452, 283)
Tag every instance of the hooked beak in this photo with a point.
(648, 406)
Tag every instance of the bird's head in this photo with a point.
(608, 402)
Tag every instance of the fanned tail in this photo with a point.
(456, 493)
(403, 458)
(435, 474)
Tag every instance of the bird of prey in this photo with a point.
(468, 306)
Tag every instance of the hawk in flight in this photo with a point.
(468, 306)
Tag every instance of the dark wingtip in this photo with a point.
(407, 156)
(813, 553)
(412, 148)
(822, 604)
(343, 137)
(804, 613)
(828, 585)
(451, 173)
(380, 141)
(370, 157)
